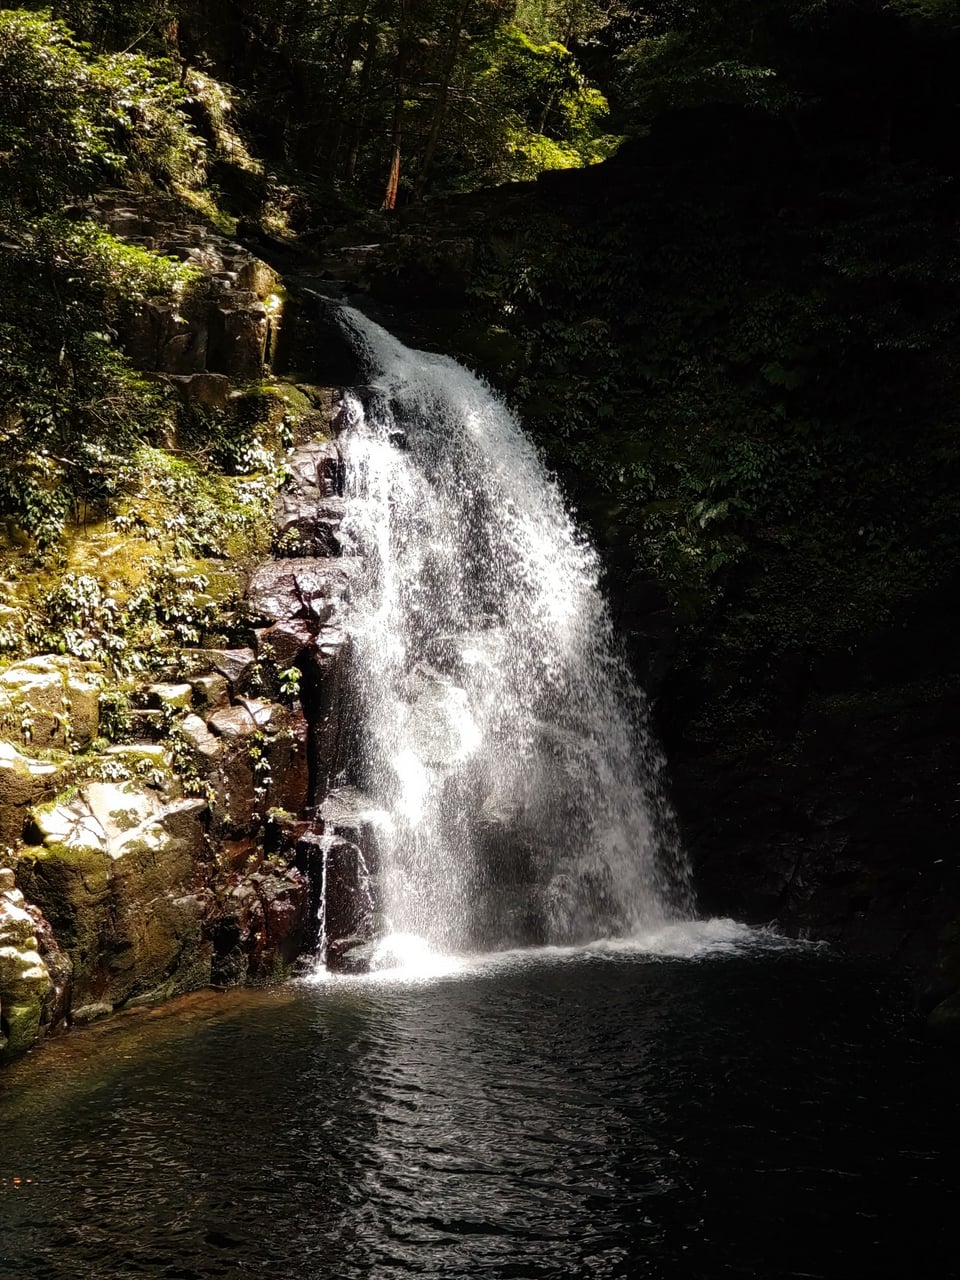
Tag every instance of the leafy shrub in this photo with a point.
(72, 120)
(75, 407)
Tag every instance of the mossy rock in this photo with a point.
(71, 885)
(25, 781)
(24, 978)
(297, 401)
(223, 582)
(49, 701)
(114, 875)
(175, 697)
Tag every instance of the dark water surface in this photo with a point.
(593, 1115)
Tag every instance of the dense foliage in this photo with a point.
(384, 100)
(378, 102)
(735, 339)
(72, 407)
(737, 343)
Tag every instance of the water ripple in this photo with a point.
(611, 1115)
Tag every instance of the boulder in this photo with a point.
(309, 588)
(23, 782)
(285, 897)
(308, 524)
(201, 390)
(174, 696)
(112, 871)
(317, 465)
(183, 347)
(24, 985)
(348, 903)
(262, 925)
(285, 642)
(257, 277)
(235, 665)
(210, 692)
(49, 701)
(350, 815)
(59, 967)
(247, 716)
(207, 746)
(355, 955)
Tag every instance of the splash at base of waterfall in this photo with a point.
(410, 959)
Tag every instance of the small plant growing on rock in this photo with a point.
(115, 719)
(289, 543)
(290, 683)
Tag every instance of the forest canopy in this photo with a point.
(734, 340)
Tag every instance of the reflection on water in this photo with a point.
(578, 1115)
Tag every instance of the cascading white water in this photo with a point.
(503, 740)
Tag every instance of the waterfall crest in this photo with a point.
(504, 753)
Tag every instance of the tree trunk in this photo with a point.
(393, 177)
(399, 83)
(352, 41)
(440, 110)
(363, 95)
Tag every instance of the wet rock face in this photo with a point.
(311, 588)
(262, 926)
(252, 756)
(310, 526)
(301, 597)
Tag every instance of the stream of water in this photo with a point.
(506, 762)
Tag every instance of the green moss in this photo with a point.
(204, 202)
(296, 400)
(23, 1025)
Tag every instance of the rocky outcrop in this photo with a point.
(285, 591)
(26, 985)
(300, 596)
(49, 701)
(136, 872)
(114, 870)
(225, 330)
(131, 871)
(199, 854)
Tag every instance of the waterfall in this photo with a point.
(504, 751)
